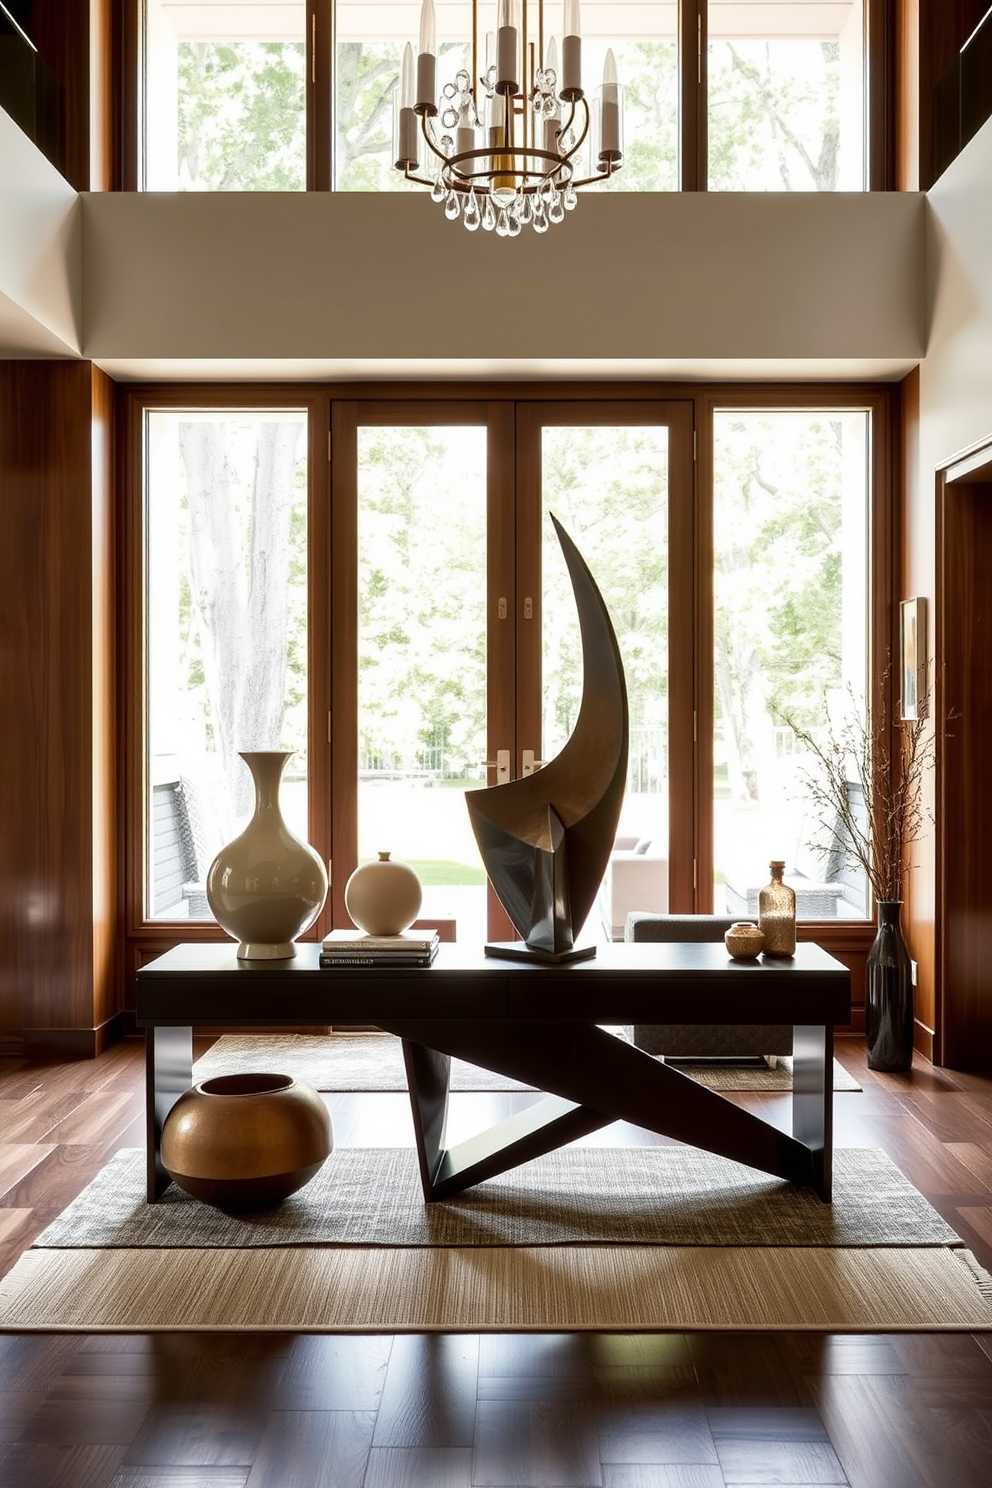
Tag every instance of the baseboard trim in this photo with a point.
(923, 1040)
(74, 1043)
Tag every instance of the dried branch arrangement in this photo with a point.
(886, 763)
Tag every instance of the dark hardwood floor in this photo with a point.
(492, 1411)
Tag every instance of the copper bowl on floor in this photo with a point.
(243, 1142)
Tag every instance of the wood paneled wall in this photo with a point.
(78, 39)
(915, 576)
(58, 897)
(906, 95)
(963, 718)
(942, 27)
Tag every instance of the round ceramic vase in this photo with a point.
(383, 898)
(242, 1142)
(266, 887)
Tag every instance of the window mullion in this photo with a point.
(319, 93)
(692, 95)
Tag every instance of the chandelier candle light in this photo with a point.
(501, 147)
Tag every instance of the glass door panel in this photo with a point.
(608, 484)
(790, 633)
(422, 665)
(226, 634)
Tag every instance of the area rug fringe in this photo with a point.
(978, 1273)
(515, 1289)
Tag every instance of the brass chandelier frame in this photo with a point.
(512, 164)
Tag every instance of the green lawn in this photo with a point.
(435, 871)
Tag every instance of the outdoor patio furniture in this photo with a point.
(636, 878)
(689, 1040)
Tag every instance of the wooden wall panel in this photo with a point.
(944, 27)
(61, 33)
(56, 982)
(105, 907)
(915, 576)
(964, 720)
(79, 41)
(906, 99)
(850, 945)
(104, 101)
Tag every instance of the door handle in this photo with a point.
(528, 764)
(501, 764)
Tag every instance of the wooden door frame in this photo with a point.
(972, 467)
(347, 417)
(677, 415)
(332, 601)
(144, 938)
(847, 939)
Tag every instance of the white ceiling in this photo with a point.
(398, 20)
(398, 369)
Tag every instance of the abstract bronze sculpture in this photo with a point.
(546, 838)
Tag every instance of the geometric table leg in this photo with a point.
(813, 1098)
(428, 1073)
(446, 1171)
(168, 1072)
(593, 1079)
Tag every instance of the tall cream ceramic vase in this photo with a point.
(266, 887)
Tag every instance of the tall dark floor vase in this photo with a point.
(889, 995)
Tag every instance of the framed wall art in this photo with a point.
(913, 654)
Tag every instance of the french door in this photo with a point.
(456, 660)
(395, 611)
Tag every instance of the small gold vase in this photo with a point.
(242, 1142)
(744, 941)
(777, 914)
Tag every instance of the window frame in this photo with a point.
(882, 617)
(331, 591)
(133, 405)
(879, 85)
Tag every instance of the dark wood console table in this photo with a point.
(537, 1024)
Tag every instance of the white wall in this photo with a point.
(679, 280)
(956, 377)
(40, 287)
(681, 285)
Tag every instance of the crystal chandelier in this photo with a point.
(501, 147)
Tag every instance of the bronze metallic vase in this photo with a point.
(546, 839)
(242, 1142)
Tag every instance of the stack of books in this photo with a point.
(351, 948)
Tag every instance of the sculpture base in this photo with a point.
(519, 950)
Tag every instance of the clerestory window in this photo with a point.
(724, 95)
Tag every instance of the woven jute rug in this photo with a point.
(374, 1061)
(695, 1242)
(494, 1289)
